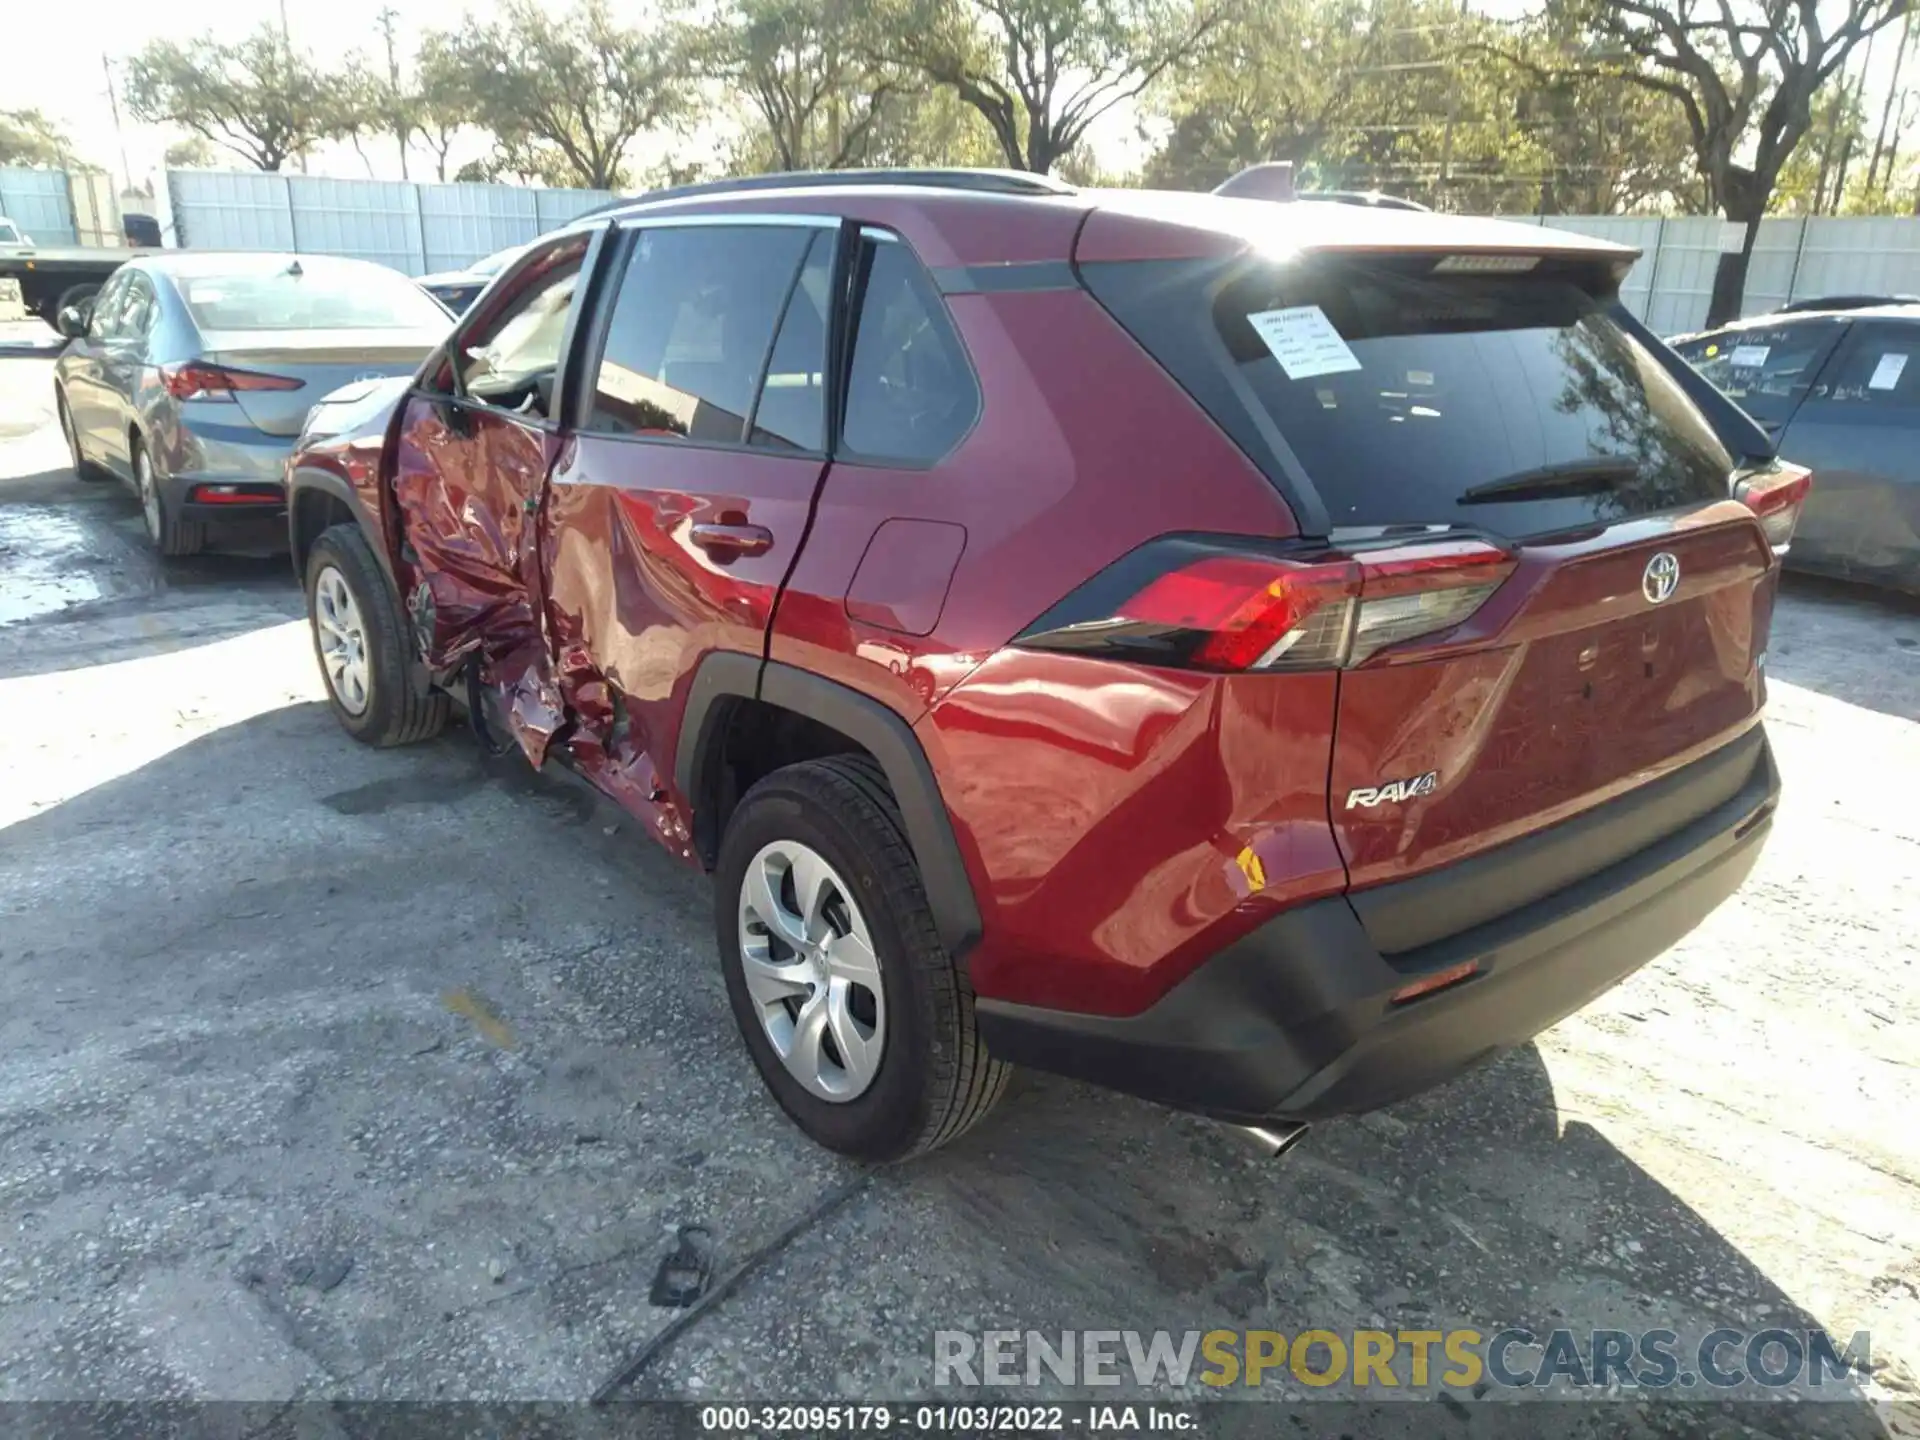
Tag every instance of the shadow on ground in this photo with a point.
(340, 1074)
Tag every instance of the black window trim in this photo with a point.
(855, 292)
(624, 234)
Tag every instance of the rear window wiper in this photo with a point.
(1593, 475)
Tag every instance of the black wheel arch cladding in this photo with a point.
(726, 676)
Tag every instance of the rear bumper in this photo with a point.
(237, 455)
(1296, 1020)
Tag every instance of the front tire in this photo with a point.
(857, 1018)
(170, 535)
(375, 686)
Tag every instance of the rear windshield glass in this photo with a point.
(1766, 369)
(1510, 403)
(316, 297)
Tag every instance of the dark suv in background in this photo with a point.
(1837, 386)
(1263, 657)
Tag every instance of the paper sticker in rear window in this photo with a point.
(1886, 375)
(1749, 357)
(1303, 340)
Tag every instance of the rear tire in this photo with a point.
(934, 1078)
(72, 295)
(83, 469)
(385, 699)
(171, 536)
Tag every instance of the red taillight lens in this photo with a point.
(1251, 611)
(197, 380)
(1776, 496)
(1202, 606)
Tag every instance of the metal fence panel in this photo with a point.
(1770, 270)
(1682, 283)
(230, 210)
(556, 207)
(39, 203)
(1860, 255)
(463, 223)
(366, 219)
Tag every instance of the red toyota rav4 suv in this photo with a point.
(1262, 657)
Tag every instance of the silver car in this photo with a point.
(190, 375)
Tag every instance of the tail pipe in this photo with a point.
(1273, 1141)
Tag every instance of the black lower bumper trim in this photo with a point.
(1296, 1020)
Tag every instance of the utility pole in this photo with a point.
(1453, 114)
(113, 105)
(387, 18)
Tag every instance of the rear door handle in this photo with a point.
(729, 542)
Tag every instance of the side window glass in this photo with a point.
(1878, 371)
(792, 413)
(691, 329)
(137, 315)
(1767, 371)
(101, 325)
(510, 359)
(911, 394)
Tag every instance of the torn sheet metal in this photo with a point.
(468, 483)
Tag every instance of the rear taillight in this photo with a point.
(1208, 605)
(197, 380)
(1775, 496)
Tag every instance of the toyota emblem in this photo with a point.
(1662, 577)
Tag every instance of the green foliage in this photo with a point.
(1417, 98)
(29, 138)
(565, 94)
(193, 153)
(256, 97)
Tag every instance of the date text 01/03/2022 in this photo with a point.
(880, 1418)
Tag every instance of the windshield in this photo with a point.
(310, 295)
(1408, 397)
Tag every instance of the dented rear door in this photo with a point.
(681, 496)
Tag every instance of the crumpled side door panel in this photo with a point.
(469, 481)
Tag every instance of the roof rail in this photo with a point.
(982, 182)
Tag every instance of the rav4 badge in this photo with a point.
(1411, 788)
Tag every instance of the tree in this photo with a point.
(29, 138)
(442, 107)
(811, 73)
(1042, 72)
(1745, 74)
(258, 97)
(567, 95)
(193, 153)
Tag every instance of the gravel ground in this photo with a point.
(335, 1074)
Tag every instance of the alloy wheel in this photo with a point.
(811, 971)
(149, 489)
(343, 640)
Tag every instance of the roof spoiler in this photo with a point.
(1270, 181)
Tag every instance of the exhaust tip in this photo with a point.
(1273, 1141)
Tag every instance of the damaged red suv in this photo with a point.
(1263, 657)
